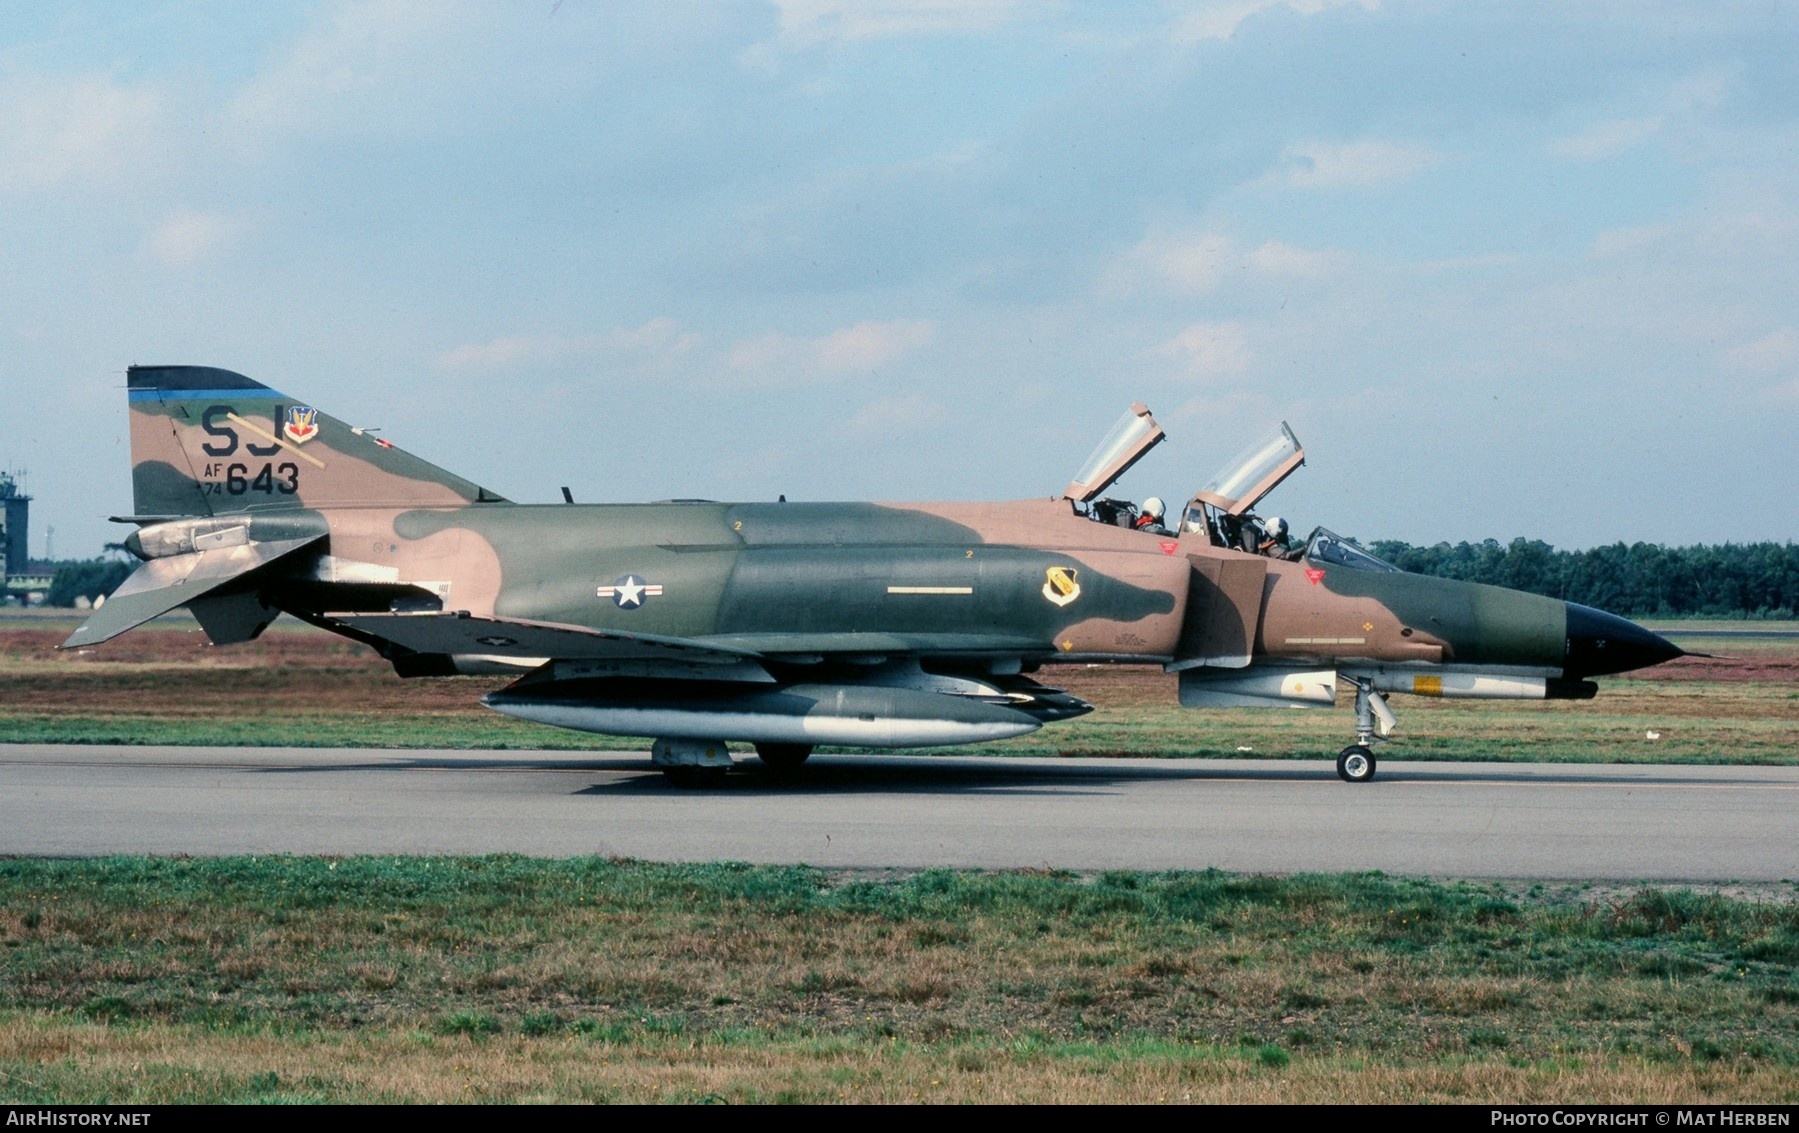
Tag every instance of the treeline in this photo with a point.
(1748, 580)
(85, 578)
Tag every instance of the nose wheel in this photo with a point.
(1355, 764)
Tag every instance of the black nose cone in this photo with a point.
(1600, 643)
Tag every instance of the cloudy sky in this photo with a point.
(1516, 269)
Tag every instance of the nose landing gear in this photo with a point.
(1373, 721)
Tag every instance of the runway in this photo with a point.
(1533, 821)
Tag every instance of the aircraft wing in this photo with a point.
(160, 585)
(523, 640)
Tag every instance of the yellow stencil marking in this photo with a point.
(1427, 686)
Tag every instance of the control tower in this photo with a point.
(15, 518)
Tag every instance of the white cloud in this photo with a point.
(189, 237)
(54, 130)
(660, 335)
(1208, 349)
(1607, 139)
(1349, 165)
(1685, 110)
(660, 339)
(805, 22)
(1770, 354)
(385, 65)
(1220, 19)
(1192, 262)
(663, 344)
(907, 413)
(1289, 261)
(869, 346)
(1196, 263)
(498, 353)
(863, 348)
(1704, 90)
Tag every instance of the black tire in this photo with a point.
(695, 777)
(783, 757)
(1355, 764)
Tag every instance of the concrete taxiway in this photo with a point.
(1551, 821)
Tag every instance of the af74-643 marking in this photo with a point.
(789, 625)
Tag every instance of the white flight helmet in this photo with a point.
(1155, 508)
(1275, 526)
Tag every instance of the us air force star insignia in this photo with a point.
(629, 592)
(1061, 588)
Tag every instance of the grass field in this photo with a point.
(380, 979)
(163, 684)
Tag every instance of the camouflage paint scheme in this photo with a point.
(777, 623)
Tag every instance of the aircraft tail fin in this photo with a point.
(206, 441)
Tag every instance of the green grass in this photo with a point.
(1064, 975)
(1747, 725)
(305, 729)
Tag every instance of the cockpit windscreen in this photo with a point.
(1330, 547)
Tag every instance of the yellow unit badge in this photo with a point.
(1062, 587)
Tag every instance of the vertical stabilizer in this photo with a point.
(206, 441)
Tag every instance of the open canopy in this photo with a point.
(1255, 472)
(1132, 437)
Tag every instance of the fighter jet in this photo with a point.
(790, 625)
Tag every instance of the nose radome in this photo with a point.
(1601, 643)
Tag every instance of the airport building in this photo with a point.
(15, 524)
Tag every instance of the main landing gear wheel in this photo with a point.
(783, 757)
(690, 776)
(1355, 764)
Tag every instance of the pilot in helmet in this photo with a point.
(1149, 516)
(1274, 538)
